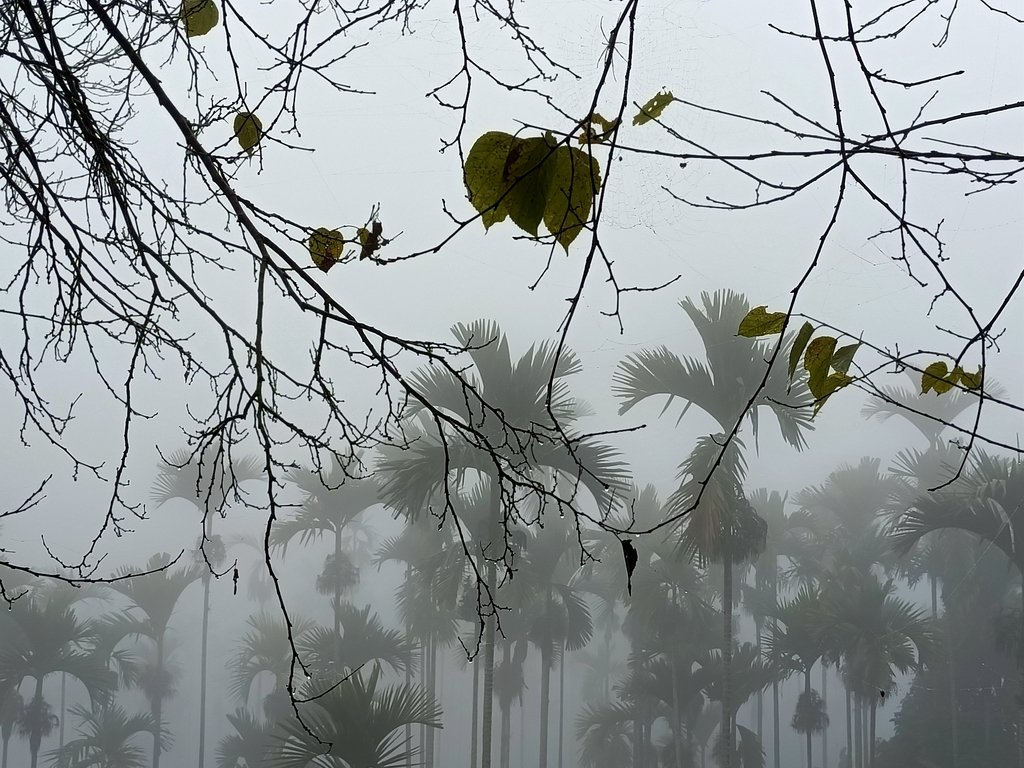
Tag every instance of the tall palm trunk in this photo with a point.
(63, 707)
(775, 724)
(489, 619)
(871, 733)
(474, 740)
(35, 738)
(858, 731)
(505, 736)
(1020, 696)
(545, 689)
(3, 758)
(776, 735)
(677, 717)
(954, 714)
(727, 713)
(824, 702)
(809, 734)
(849, 729)
(758, 628)
(157, 705)
(561, 706)
(204, 653)
(431, 662)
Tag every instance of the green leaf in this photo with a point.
(843, 357)
(528, 174)
(934, 377)
(577, 176)
(760, 322)
(199, 16)
(325, 247)
(817, 361)
(485, 175)
(248, 131)
(802, 337)
(653, 108)
(971, 380)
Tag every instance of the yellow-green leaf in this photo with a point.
(832, 383)
(760, 322)
(799, 343)
(325, 247)
(843, 357)
(934, 377)
(248, 131)
(576, 179)
(653, 108)
(199, 16)
(971, 380)
(817, 361)
(529, 173)
(598, 130)
(485, 175)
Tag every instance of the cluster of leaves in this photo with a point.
(326, 246)
(828, 368)
(939, 378)
(532, 180)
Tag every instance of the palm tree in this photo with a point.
(875, 633)
(727, 388)
(106, 739)
(47, 638)
(330, 505)
(983, 501)
(794, 645)
(561, 619)
(152, 599)
(208, 484)
(354, 725)
(265, 649)
(515, 417)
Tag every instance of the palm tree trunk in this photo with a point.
(871, 735)
(1020, 696)
(858, 731)
(807, 694)
(408, 685)
(760, 693)
(505, 734)
(849, 729)
(428, 751)
(63, 707)
(677, 718)
(203, 660)
(775, 683)
(474, 741)
(545, 695)
(824, 703)
(775, 723)
(489, 619)
(954, 714)
(158, 706)
(3, 758)
(561, 707)
(36, 737)
(204, 652)
(488, 708)
(727, 714)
